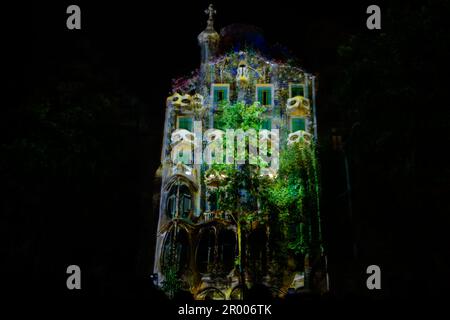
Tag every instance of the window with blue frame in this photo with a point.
(220, 94)
(298, 124)
(297, 90)
(264, 94)
(185, 123)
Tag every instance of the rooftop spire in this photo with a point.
(210, 12)
(209, 39)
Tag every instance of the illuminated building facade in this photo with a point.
(211, 251)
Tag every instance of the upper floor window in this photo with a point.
(220, 93)
(296, 89)
(298, 123)
(264, 94)
(179, 202)
(184, 123)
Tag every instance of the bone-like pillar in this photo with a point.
(313, 93)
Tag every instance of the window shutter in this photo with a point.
(297, 90)
(298, 124)
(185, 123)
(269, 96)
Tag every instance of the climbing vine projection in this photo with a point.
(287, 201)
(295, 195)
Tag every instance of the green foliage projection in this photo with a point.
(172, 282)
(290, 201)
(294, 195)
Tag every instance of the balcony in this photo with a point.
(299, 136)
(299, 106)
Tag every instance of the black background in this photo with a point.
(83, 118)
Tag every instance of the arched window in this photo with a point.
(227, 249)
(217, 257)
(211, 294)
(176, 250)
(206, 251)
(236, 293)
(179, 201)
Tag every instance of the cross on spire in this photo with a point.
(210, 12)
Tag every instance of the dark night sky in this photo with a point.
(146, 46)
(152, 44)
(136, 49)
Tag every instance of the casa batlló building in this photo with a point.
(226, 226)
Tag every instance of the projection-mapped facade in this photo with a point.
(225, 227)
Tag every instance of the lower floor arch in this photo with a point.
(216, 251)
(211, 293)
(236, 293)
(176, 250)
